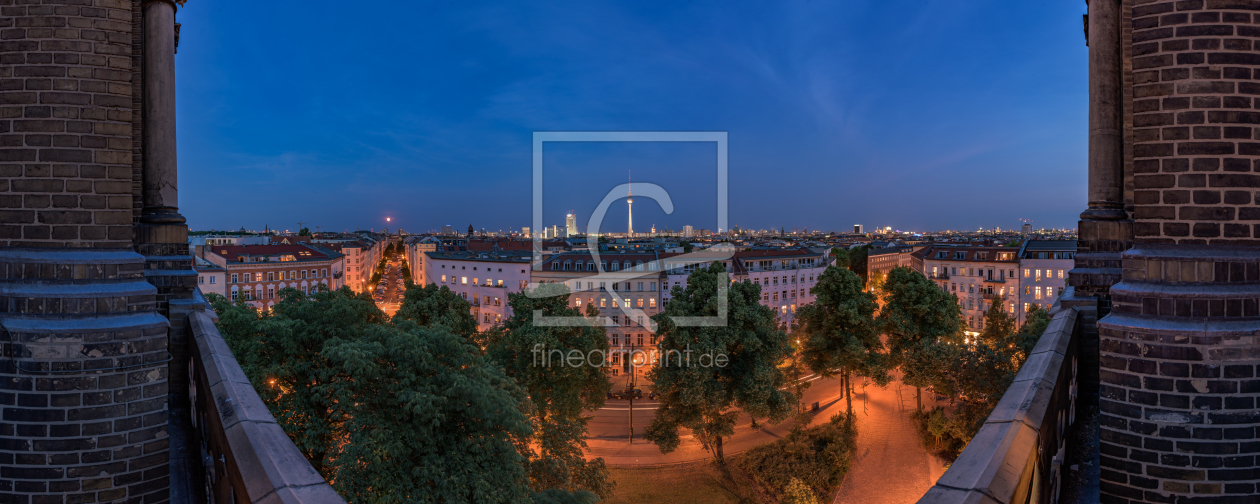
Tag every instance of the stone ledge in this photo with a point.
(998, 465)
(261, 460)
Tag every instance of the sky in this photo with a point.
(916, 114)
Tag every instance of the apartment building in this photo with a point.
(1033, 275)
(211, 278)
(362, 253)
(1044, 266)
(976, 275)
(625, 287)
(884, 260)
(786, 276)
(414, 248)
(258, 272)
(484, 279)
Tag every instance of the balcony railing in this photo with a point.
(938, 276)
(995, 280)
(247, 456)
(1018, 455)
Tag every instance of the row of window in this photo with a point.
(477, 281)
(604, 302)
(284, 275)
(580, 265)
(774, 296)
(576, 286)
(201, 279)
(257, 292)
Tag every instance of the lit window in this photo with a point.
(463, 280)
(1038, 292)
(603, 302)
(1027, 272)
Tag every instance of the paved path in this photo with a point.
(890, 466)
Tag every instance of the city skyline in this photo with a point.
(816, 100)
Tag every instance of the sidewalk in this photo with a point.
(888, 445)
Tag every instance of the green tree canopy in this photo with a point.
(434, 305)
(857, 260)
(839, 331)
(706, 374)
(921, 322)
(536, 357)
(388, 413)
(842, 256)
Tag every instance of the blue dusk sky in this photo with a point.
(916, 114)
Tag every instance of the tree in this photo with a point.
(388, 413)
(706, 374)
(1035, 322)
(842, 256)
(304, 232)
(857, 260)
(876, 283)
(999, 328)
(434, 305)
(840, 332)
(687, 246)
(921, 321)
(536, 356)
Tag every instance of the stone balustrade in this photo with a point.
(247, 456)
(1018, 454)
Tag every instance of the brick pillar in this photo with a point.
(1179, 351)
(83, 386)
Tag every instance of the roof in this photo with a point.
(232, 253)
(1048, 245)
(503, 256)
(968, 253)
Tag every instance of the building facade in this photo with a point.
(883, 260)
(211, 278)
(1044, 267)
(257, 273)
(976, 276)
(484, 279)
(625, 287)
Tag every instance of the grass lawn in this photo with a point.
(698, 483)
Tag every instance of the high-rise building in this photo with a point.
(688, 230)
(570, 224)
(857, 229)
(448, 229)
(525, 232)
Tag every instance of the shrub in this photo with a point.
(815, 458)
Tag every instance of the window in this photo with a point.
(651, 302)
(463, 280)
(1027, 290)
(234, 295)
(640, 342)
(1027, 272)
(201, 279)
(652, 286)
(1038, 276)
(603, 302)
(640, 286)
(1060, 273)
(640, 302)
(249, 277)
(271, 293)
(577, 302)
(212, 278)
(765, 296)
(1038, 291)
(443, 278)
(616, 321)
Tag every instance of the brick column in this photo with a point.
(1179, 351)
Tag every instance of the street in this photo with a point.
(388, 293)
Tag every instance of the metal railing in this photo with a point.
(1017, 456)
(246, 455)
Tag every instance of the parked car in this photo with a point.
(635, 393)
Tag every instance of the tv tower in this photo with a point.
(630, 206)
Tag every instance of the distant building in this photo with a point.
(211, 278)
(448, 229)
(857, 229)
(1044, 266)
(1026, 228)
(883, 260)
(976, 276)
(258, 272)
(525, 232)
(620, 280)
(484, 279)
(570, 224)
(688, 230)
